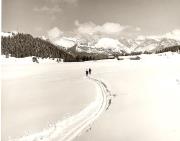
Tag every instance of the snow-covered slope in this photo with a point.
(147, 99)
(129, 43)
(66, 42)
(153, 44)
(146, 107)
(146, 45)
(104, 45)
(110, 45)
(27, 60)
(165, 42)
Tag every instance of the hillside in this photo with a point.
(23, 45)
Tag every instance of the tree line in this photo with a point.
(83, 56)
(172, 49)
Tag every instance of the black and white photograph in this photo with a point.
(90, 70)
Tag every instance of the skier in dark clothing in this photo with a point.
(90, 71)
(87, 72)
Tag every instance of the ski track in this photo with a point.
(71, 127)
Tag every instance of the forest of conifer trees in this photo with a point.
(24, 45)
(172, 49)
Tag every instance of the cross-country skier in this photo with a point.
(87, 72)
(90, 71)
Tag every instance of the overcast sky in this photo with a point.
(92, 17)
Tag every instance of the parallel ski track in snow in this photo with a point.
(70, 128)
(84, 124)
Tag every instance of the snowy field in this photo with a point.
(36, 96)
(146, 106)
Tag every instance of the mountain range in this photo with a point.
(110, 45)
(122, 45)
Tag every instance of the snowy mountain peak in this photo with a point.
(66, 42)
(108, 43)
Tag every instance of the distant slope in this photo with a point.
(123, 45)
(23, 45)
(153, 45)
(65, 42)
